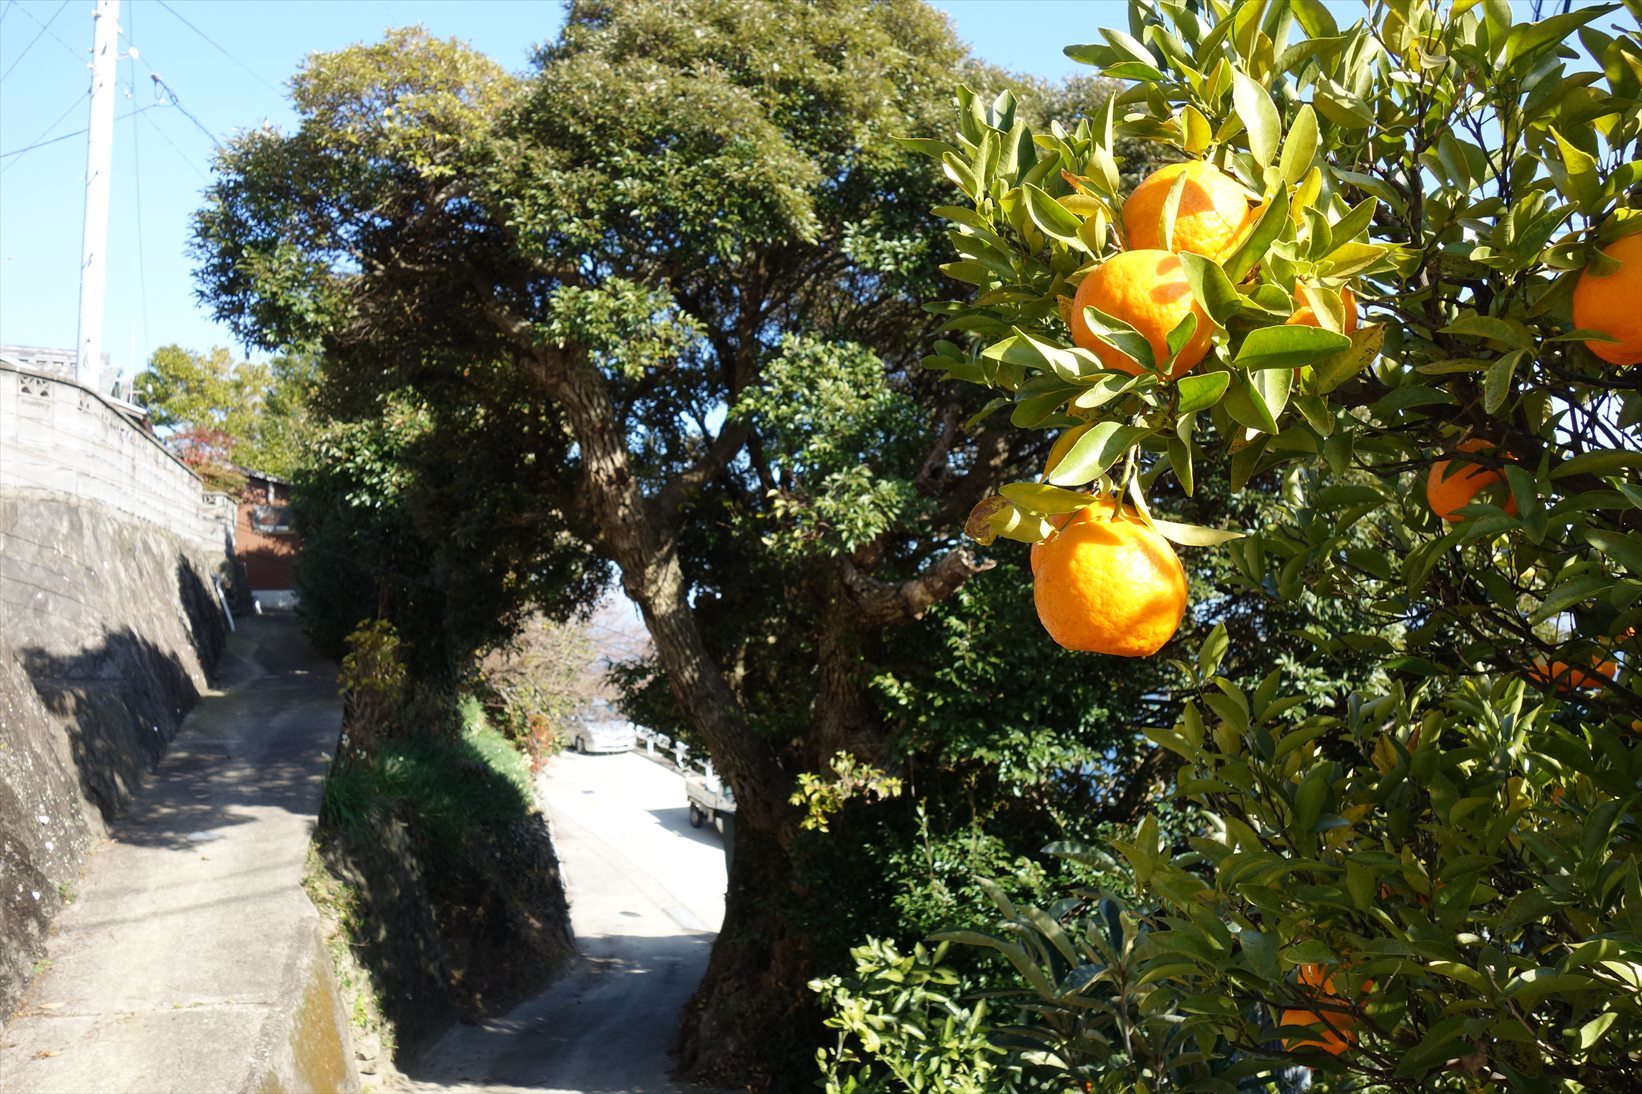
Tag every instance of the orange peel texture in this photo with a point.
(1149, 291)
(1213, 211)
(1109, 583)
(1612, 303)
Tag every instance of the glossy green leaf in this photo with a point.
(1201, 390)
(1052, 218)
(1192, 535)
(1300, 146)
(1288, 347)
(1252, 251)
(1094, 452)
(1259, 116)
(1211, 287)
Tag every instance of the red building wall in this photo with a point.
(265, 554)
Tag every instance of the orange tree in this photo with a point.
(1434, 882)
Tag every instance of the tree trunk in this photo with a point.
(741, 1016)
(646, 553)
(752, 1023)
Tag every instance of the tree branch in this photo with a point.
(883, 603)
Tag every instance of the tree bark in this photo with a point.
(645, 549)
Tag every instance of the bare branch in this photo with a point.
(883, 603)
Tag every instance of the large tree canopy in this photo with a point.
(660, 300)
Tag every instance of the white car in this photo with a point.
(601, 728)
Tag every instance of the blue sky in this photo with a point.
(226, 63)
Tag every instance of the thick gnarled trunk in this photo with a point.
(752, 1021)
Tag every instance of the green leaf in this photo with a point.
(1213, 290)
(1120, 336)
(1300, 147)
(1356, 220)
(1260, 950)
(1095, 451)
(1351, 259)
(1125, 43)
(1495, 330)
(1213, 649)
(1567, 594)
(1525, 38)
(1288, 347)
(1315, 18)
(1341, 107)
(1182, 333)
(1366, 342)
(1604, 462)
(1171, 208)
(926, 147)
(1194, 535)
(1496, 387)
(1196, 127)
(1623, 549)
(1591, 1032)
(1053, 218)
(1259, 116)
(1273, 384)
(1037, 497)
(1201, 390)
(1180, 460)
(1247, 407)
(1252, 251)
(1582, 174)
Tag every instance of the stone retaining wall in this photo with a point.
(111, 555)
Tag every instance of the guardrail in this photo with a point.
(658, 746)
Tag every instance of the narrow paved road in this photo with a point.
(646, 898)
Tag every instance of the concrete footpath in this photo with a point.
(191, 959)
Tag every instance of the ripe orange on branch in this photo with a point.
(1568, 678)
(1147, 290)
(1612, 303)
(1450, 488)
(1107, 582)
(1214, 209)
(1339, 1026)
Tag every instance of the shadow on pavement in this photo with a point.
(677, 820)
(560, 1040)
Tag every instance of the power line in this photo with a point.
(39, 142)
(163, 90)
(40, 34)
(184, 155)
(254, 73)
(7, 9)
(66, 136)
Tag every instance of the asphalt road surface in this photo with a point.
(646, 899)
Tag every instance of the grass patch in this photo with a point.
(449, 790)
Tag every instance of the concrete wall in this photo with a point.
(109, 623)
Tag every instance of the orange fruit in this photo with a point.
(1338, 1031)
(1109, 583)
(1608, 303)
(1570, 678)
(1304, 317)
(1147, 290)
(1059, 520)
(1335, 1036)
(1447, 492)
(1214, 208)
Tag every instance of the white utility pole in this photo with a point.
(99, 163)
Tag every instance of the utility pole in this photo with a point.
(99, 163)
